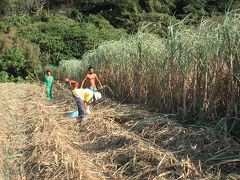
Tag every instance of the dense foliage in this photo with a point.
(36, 33)
(35, 42)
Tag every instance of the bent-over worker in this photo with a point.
(72, 84)
(83, 98)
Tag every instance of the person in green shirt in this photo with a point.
(49, 81)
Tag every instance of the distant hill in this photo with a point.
(120, 13)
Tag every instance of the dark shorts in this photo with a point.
(81, 107)
(93, 89)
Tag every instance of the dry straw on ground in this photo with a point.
(116, 142)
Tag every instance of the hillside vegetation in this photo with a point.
(36, 33)
(175, 56)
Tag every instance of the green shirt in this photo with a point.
(48, 80)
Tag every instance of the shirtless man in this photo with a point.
(91, 76)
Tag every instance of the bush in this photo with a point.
(13, 61)
(57, 39)
(63, 38)
(99, 21)
(4, 7)
(13, 64)
(4, 77)
(18, 56)
(76, 15)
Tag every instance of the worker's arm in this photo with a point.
(83, 81)
(101, 86)
(71, 82)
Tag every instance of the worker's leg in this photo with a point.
(49, 92)
(88, 111)
(81, 108)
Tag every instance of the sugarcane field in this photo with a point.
(119, 90)
(117, 141)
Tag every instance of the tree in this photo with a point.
(13, 61)
(4, 7)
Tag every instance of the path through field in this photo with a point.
(116, 142)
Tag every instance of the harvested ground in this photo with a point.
(116, 142)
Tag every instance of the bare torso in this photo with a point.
(91, 78)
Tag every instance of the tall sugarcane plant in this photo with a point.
(191, 71)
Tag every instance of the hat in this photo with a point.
(97, 95)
